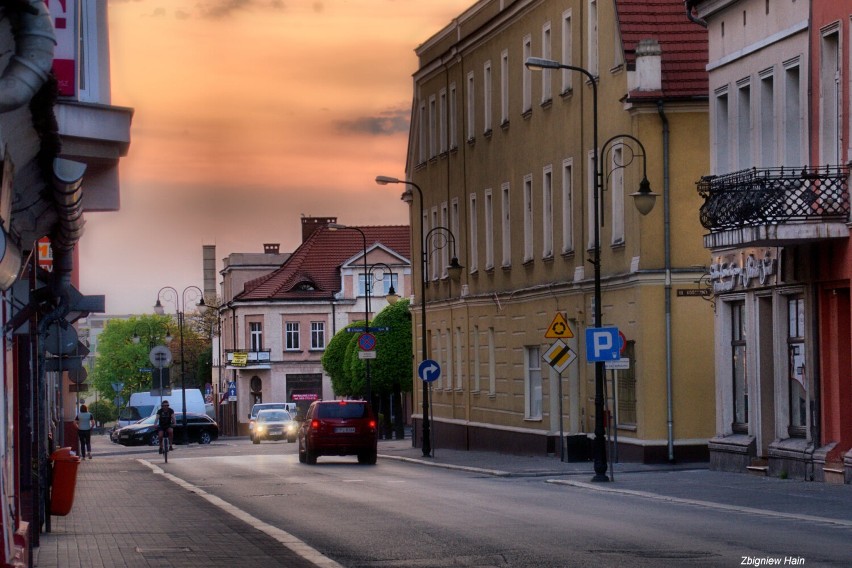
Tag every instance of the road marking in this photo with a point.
(298, 546)
(708, 504)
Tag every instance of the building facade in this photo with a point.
(60, 139)
(275, 326)
(777, 210)
(506, 158)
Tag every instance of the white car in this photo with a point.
(288, 406)
(274, 424)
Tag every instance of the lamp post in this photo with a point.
(179, 300)
(455, 271)
(644, 195)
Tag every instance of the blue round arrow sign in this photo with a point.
(429, 371)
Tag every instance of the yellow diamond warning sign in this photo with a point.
(559, 328)
(559, 356)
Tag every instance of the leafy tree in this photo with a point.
(104, 411)
(334, 360)
(119, 359)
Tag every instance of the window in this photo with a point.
(567, 36)
(721, 142)
(797, 368)
(255, 336)
(489, 230)
(454, 227)
(830, 97)
(317, 335)
(492, 363)
(547, 212)
(446, 245)
(291, 336)
(528, 218)
(744, 126)
(793, 117)
(739, 366)
(431, 245)
(422, 126)
(365, 284)
(532, 391)
(442, 119)
(486, 97)
(592, 67)
(458, 361)
(504, 87)
(471, 108)
(454, 135)
(433, 127)
(567, 206)
(476, 359)
(617, 195)
(546, 74)
(506, 226)
(390, 279)
(767, 121)
(527, 76)
(473, 257)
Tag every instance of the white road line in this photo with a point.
(707, 504)
(298, 546)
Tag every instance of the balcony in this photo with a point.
(241, 359)
(775, 206)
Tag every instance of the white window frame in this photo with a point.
(471, 107)
(445, 250)
(568, 205)
(255, 336)
(492, 363)
(489, 229)
(473, 257)
(424, 145)
(477, 372)
(458, 359)
(768, 138)
(442, 119)
(546, 74)
(528, 218)
(533, 384)
(526, 98)
(721, 132)
(292, 336)
(453, 113)
(744, 125)
(506, 224)
(592, 36)
(433, 127)
(487, 97)
(317, 335)
(547, 212)
(616, 188)
(567, 52)
(504, 87)
(793, 114)
(831, 95)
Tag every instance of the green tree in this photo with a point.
(104, 411)
(334, 360)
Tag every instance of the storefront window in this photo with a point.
(797, 369)
(739, 367)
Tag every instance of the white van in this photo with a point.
(143, 404)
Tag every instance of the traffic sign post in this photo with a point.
(429, 371)
(602, 344)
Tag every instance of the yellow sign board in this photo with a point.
(559, 356)
(559, 328)
(239, 359)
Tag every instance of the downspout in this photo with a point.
(668, 280)
(694, 19)
(30, 67)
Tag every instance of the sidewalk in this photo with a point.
(110, 527)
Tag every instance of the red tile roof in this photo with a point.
(684, 45)
(317, 262)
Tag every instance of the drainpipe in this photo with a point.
(668, 281)
(690, 4)
(30, 66)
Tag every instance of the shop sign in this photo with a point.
(743, 269)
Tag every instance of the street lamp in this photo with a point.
(179, 300)
(643, 196)
(454, 271)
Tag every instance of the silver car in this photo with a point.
(275, 425)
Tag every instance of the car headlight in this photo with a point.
(259, 428)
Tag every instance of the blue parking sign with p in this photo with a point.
(602, 344)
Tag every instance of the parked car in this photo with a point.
(274, 424)
(200, 427)
(288, 406)
(338, 428)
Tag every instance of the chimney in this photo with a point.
(311, 224)
(271, 248)
(649, 74)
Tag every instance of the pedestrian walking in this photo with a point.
(85, 422)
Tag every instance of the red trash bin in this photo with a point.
(65, 465)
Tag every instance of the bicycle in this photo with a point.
(166, 446)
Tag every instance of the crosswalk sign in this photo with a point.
(559, 328)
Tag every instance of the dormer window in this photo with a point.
(304, 287)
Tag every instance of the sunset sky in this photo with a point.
(249, 114)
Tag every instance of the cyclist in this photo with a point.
(165, 423)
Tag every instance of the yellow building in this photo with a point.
(504, 157)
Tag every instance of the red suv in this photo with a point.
(338, 428)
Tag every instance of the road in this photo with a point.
(397, 514)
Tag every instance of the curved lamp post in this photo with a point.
(454, 271)
(644, 195)
(169, 294)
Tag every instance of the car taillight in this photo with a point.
(315, 424)
(372, 424)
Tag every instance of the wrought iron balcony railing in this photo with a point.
(774, 196)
